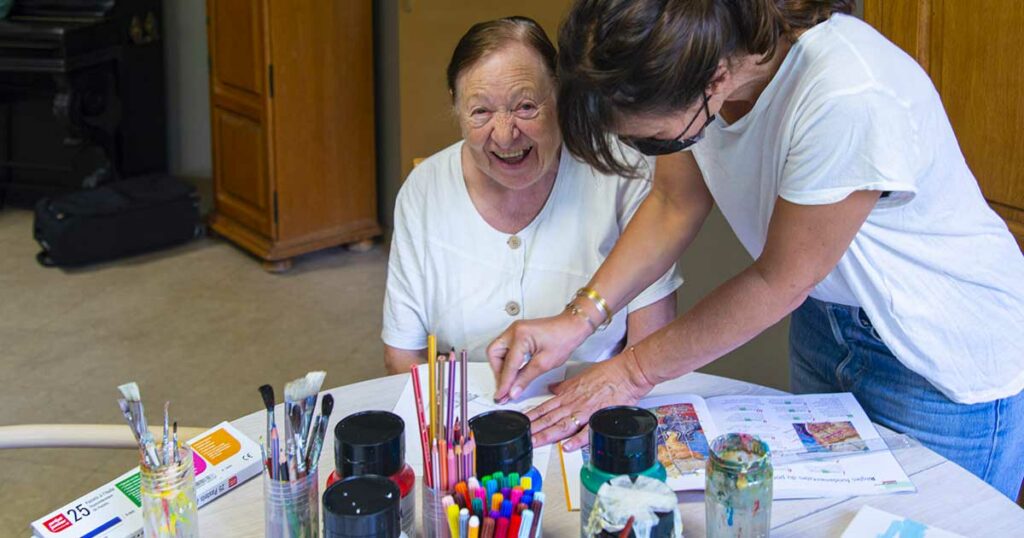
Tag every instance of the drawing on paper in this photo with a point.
(829, 436)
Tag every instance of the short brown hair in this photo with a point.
(483, 38)
(658, 56)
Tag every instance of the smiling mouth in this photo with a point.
(512, 157)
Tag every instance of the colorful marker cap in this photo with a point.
(362, 506)
(623, 439)
(371, 442)
(502, 442)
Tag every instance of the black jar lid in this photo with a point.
(371, 442)
(623, 439)
(358, 506)
(502, 442)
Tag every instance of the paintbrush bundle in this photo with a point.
(303, 436)
(134, 413)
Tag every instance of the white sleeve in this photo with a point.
(847, 143)
(405, 316)
(632, 195)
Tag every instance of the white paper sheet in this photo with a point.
(481, 389)
(874, 523)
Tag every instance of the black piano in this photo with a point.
(82, 97)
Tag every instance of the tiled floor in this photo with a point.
(201, 325)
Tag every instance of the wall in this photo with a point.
(188, 102)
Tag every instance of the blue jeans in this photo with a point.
(834, 348)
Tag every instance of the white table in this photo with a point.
(948, 496)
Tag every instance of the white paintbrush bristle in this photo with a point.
(130, 391)
(293, 389)
(314, 380)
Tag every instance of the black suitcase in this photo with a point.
(116, 220)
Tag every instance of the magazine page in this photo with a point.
(815, 425)
(684, 430)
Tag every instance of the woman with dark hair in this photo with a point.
(503, 225)
(829, 153)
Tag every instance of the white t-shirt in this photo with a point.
(933, 266)
(452, 274)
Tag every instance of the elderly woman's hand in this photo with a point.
(540, 344)
(617, 381)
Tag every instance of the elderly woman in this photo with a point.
(504, 225)
(829, 153)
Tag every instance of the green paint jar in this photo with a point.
(738, 487)
(623, 441)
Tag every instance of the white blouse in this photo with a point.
(452, 274)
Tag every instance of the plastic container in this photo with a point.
(503, 444)
(738, 487)
(434, 521)
(169, 507)
(367, 506)
(623, 442)
(373, 443)
(291, 509)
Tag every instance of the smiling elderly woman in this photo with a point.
(504, 225)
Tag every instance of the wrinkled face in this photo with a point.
(506, 108)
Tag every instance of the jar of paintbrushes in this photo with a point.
(168, 491)
(166, 474)
(291, 494)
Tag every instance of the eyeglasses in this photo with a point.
(659, 146)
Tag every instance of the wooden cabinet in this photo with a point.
(292, 124)
(972, 51)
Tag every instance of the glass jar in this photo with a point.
(169, 507)
(291, 509)
(738, 493)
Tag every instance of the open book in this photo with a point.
(825, 445)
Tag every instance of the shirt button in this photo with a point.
(514, 242)
(512, 308)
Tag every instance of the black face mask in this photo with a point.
(658, 146)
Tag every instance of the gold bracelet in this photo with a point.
(575, 310)
(601, 304)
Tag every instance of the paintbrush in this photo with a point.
(166, 446)
(314, 380)
(267, 393)
(131, 394)
(177, 455)
(317, 443)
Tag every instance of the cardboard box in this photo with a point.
(223, 459)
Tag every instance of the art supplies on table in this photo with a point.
(222, 458)
(365, 506)
(873, 523)
(480, 390)
(291, 492)
(634, 506)
(623, 442)
(373, 443)
(492, 506)
(738, 490)
(462, 433)
(823, 445)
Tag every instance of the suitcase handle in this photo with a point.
(44, 259)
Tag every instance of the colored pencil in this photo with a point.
(424, 442)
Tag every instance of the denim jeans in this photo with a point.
(834, 348)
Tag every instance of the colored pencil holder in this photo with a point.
(291, 509)
(169, 507)
(435, 519)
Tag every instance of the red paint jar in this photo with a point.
(373, 443)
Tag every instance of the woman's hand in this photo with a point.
(542, 344)
(617, 381)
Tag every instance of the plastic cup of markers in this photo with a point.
(434, 517)
(169, 507)
(291, 509)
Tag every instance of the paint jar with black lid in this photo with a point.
(362, 507)
(504, 444)
(373, 443)
(623, 442)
